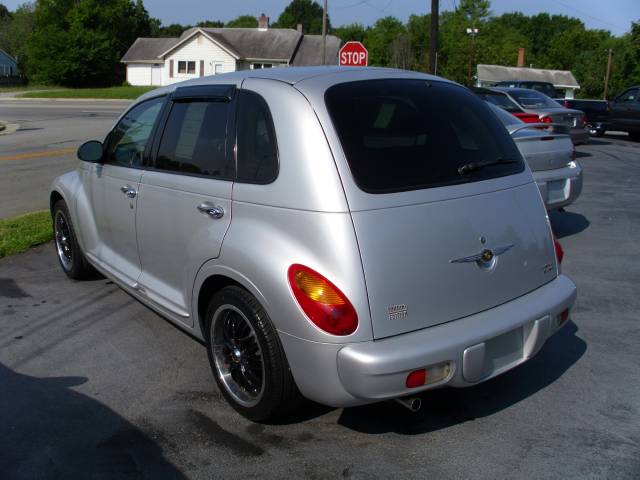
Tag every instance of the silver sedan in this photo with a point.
(551, 157)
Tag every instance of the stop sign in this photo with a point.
(353, 54)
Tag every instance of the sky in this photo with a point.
(613, 15)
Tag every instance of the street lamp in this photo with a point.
(473, 32)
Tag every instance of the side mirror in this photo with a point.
(91, 151)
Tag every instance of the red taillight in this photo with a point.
(527, 117)
(322, 302)
(564, 316)
(559, 250)
(417, 378)
(545, 119)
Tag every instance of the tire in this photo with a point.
(241, 343)
(70, 257)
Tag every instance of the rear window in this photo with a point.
(403, 135)
(533, 100)
(501, 101)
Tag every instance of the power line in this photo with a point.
(572, 8)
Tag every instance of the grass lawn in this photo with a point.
(126, 93)
(26, 88)
(17, 234)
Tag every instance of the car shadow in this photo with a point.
(448, 407)
(582, 154)
(593, 141)
(565, 223)
(51, 431)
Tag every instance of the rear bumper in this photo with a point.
(579, 136)
(477, 348)
(559, 187)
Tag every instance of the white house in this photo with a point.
(8, 64)
(210, 51)
(561, 79)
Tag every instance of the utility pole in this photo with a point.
(606, 76)
(433, 38)
(472, 47)
(324, 33)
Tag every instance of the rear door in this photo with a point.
(185, 195)
(444, 229)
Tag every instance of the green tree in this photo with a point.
(418, 30)
(305, 12)
(210, 24)
(15, 31)
(243, 21)
(5, 14)
(172, 30)
(352, 31)
(388, 43)
(81, 43)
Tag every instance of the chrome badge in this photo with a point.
(486, 258)
(396, 312)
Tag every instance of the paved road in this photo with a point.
(94, 384)
(44, 146)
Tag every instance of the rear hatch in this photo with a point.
(441, 241)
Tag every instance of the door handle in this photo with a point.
(211, 210)
(129, 191)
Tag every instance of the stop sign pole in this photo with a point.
(353, 54)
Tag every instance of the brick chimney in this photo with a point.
(520, 57)
(263, 22)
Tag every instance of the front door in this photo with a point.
(114, 191)
(624, 108)
(185, 199)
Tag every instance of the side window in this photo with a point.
(194, 139)
(127, 141)
(629, 96)
(257, 152)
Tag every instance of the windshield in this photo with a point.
(533, 100)
(400, 134)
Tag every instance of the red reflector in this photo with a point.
(564, 316)
(417, 378)
(322, 302)
(546, 120)
(559, 250)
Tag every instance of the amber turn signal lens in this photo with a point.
(321, 301)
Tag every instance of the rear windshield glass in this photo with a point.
(504, 117)
(501, 101)
(402, 135)
(534, 100)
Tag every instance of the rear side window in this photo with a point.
(194, 140)
(257, 154)
(501, 101)
(402, 135)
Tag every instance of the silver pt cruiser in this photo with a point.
(353, 235)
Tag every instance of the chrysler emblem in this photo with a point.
(486, 258)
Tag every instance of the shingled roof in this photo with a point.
(147, 50)
(499, 73)
(310, 51)
(276, 44)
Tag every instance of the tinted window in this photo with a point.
(501, 101)
(628, 96)
(194, 139)
(410, 134)
(504, 117)
(545, 88)
(127, 141)
(257, 151)
(533, 100)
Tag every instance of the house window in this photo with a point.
(218, 68)
(257, 66)
(186, 67)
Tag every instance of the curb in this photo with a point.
(53, 100)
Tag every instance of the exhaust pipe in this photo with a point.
(412, 403)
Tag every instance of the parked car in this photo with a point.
(550, 111)
(551, 157)
(354, 234)
(543, 87)
(625, 112)
(597, 115)
(502, 100)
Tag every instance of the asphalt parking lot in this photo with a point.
(95, 385)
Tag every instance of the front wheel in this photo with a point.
(70, 256)
(246, 357)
